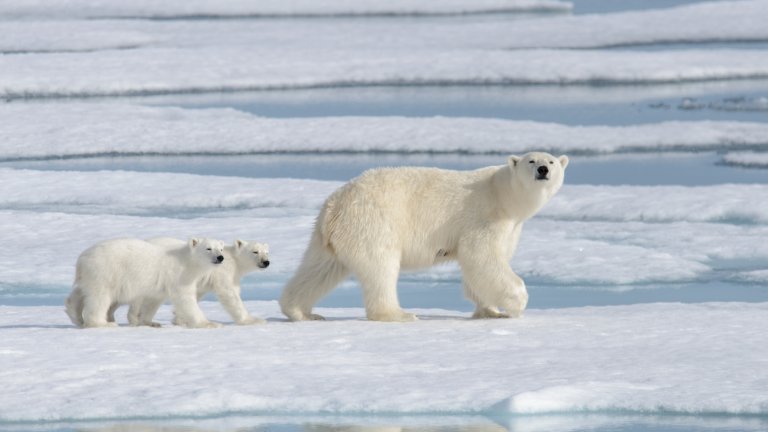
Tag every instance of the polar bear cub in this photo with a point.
(143, 275)
(391, 219)
(241, 258)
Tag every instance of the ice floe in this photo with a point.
(722, 21)
(83, 129)
(719, 21)
(176, 70)
(747, 159)
(269, 8)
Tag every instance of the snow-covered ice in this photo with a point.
(124, 57)
(166, 70)
(721, 21)
(268, 8)
(631, 359)
(84, 129)
(714, 21)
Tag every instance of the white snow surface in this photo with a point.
(720, 21)
(717, 21)
(586, 235)
(755, 276)
(81, 129)
(747, 159)
(268, 8)
(66, 55)
(629, 359)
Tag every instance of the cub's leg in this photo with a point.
(95, 310)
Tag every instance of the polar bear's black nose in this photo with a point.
(265, 263)
(543, 170)
(219, 258)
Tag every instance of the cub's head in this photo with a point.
(207, 250)
(539, 170)
(252, 254)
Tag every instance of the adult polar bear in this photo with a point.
(408, 218)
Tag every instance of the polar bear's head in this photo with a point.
(539, 171)
(251, 255)
(207, 250)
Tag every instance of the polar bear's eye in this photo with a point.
(551, 162)
(531, 162)
(256, 252)
(208, 249)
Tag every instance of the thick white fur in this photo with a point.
(409, 218)
(241, 258)
(143, 275)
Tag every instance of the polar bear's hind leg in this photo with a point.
(319, 272)
(95, 311)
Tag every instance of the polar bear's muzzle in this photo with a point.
(542, 173)
(218, 260)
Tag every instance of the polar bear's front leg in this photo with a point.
(147, 309)
(229, 297)
(186, 309)
(488, 280)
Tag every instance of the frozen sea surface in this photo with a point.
(169, 131)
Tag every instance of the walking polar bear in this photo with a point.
(409, 218)
(143, 275)
(241, 258)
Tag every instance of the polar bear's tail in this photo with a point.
(320, 271)
(74, 306)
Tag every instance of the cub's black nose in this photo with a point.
(219, 258)
(542, 170)
(265, 263)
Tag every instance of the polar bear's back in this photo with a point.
(408, 209)
(120, 264)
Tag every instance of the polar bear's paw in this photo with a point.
(486, 312)
(210, 324)
(100, 324)
(393, 316)
(298, 315)
(250, 320)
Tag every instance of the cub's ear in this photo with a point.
(563, 161)
(193, 242)
(239, 244)
(513, 160)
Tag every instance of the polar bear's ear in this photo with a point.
(239, 244)
(513, 160)
(193, 242)
(563, 161)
